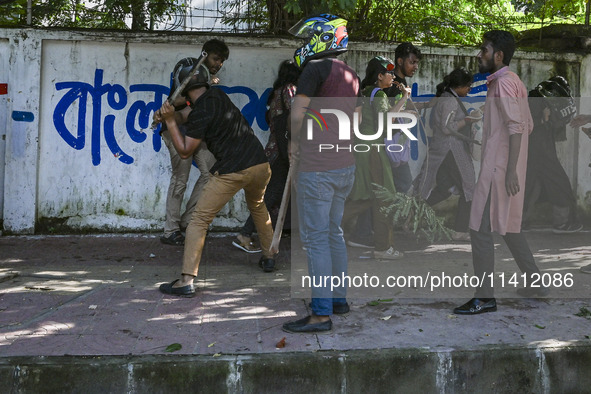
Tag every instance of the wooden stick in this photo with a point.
(194, 71)
(181, 87)
(281, 215)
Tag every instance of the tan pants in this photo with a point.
(217, 192)
(181, 168)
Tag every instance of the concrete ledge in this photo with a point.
(486, 369)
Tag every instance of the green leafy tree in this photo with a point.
(277, 16)
(97, 14)
(550, 9)
(427, 21)
(13, 12)
(430, 21)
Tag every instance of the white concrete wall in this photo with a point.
(76, 103)
(4, 49)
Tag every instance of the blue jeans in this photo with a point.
(321, 200)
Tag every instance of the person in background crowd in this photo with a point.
(374, 166)
(406, 60)
(448, 161)
(578, 121)
(279, 102)
(546, 178)
(175, 223)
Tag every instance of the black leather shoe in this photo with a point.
(175, 238)
(476, 306)
(340, 309)
(184, 291)
(267, 264)
(533, 292)
(302, 326)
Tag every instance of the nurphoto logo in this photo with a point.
(395, 122)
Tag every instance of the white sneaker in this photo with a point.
(389, 254)
(244, 243)
(359, 245)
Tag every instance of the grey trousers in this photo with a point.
(181, 169)
(483, 254)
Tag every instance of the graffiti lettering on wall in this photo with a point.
(139, 113)
(137, 118)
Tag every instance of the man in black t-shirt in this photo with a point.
(407, 58)
(241, 164)
(175, 221)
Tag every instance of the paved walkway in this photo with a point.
(97, 295)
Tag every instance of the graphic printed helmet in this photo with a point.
(325, 34)
(200, 79)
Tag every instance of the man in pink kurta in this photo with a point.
(497, 204)
(506, 113)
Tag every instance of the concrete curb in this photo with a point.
(484, 369)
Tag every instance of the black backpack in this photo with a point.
(558, 97)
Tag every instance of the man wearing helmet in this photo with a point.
(174, 222)
(552, 107)
(578, 121)
(241, 164)
(323, 179)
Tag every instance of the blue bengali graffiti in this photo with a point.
(23, 116)
(76, 97)
(138, 115)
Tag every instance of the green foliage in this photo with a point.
(13, 13)
(549, 9)
(173, 347)
(412, 213)
(459, 22)
(253, 14)
(584, 312)
(309, 7)
(433, 22)
(95, 14)
(379, 301)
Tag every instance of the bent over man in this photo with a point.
(241, 164)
